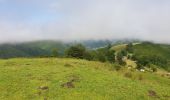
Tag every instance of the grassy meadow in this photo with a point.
(73, 79)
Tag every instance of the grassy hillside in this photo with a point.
(158, 53)
(152, 49)
(71, 79)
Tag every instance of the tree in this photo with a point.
(88, 55)
(76, 51)
(124, 52)
(109, 46)
(110, 56)
(120, 58)
(129, 48)
(55, 52)
(101, 57)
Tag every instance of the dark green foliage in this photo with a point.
(149, 53)
(123, 52)
(120, 58)
(76, 51)
(55, 52)
(109, 46)
(31, 49)
(129, 48)
(101, 57)
(156, 60)
(110, 56)
(10, 51)
(88, 55)
(139, 66)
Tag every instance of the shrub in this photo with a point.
(139, 66)
(101, 57)
(120, 58)
(76, 51)
(154, 69)
(129, 48)
(88, 56)
(55, 52)
(110, 55)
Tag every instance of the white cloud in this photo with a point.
(93, 19)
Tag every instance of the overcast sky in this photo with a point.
(25, 20)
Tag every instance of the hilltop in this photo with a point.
(75, 79)
(147, 52)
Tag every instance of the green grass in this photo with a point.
(150, 49)
(20, 79)
(119, 47)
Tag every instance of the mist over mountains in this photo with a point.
(66, 20)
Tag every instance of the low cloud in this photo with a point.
(81, 20)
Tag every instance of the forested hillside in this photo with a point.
(31, 49)
(158, 54)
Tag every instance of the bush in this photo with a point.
(110, 56)
(101, 57)
(55, 52)
(76, 51)
(129, 48)
(154, 69)
(139, 66)
(124, 52)
(88, 56)
(120, 58)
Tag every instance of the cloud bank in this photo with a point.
(84, 19)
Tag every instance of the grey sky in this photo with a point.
(22, 20)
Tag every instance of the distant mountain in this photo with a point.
(31, 49)
(44, 48)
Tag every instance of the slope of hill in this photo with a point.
(31, 49)
(150, 49)
(9, 51)
(71, 79)
(158, 54)
(43, 48)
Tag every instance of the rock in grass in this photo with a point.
(43, 87)
(68, 84)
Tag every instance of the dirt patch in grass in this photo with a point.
(69, 84)
(72, 79)
(152, 93)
